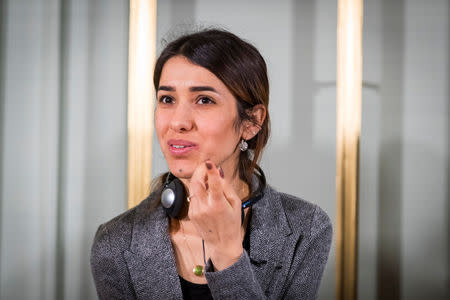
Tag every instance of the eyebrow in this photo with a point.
(191, 89)
(202, 89)
(166, 88)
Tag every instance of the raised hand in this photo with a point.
(215, 211)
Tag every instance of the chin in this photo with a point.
(186, 170)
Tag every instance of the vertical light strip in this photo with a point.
(349, 88)
(142, 53)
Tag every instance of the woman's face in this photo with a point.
(195, 118)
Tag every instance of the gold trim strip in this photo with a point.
(142, 53)
(349, 88)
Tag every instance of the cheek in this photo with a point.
(161, 124)
(220, 133)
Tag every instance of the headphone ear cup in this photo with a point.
(172, 198)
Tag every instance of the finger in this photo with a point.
(230, 194)
(215, 190)
(198, 178)
(197, 188)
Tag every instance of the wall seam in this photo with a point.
(62, 145)
(3, 26)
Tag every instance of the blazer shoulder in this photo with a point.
(108, 266)
(118, 231)
(304, 215)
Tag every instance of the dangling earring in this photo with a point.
(243, 145)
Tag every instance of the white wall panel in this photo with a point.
(63, 157)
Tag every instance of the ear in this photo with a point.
(251, 128)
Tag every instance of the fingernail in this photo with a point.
(208, 165)
(221, 172)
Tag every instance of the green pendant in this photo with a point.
(198, 270)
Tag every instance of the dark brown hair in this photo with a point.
(240, 66)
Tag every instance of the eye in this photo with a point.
(165, 99)
(205, 100)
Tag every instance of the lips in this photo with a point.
(180, 147)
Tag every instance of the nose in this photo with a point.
(181, 119)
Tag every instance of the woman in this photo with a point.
(231, 236)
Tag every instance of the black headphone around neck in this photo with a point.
(173, 195)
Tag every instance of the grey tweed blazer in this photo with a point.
(132, 255)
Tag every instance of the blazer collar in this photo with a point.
(269, 228)
(269, 224)
(151, 260)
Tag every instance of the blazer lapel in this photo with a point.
(269, 230)
(150, 260)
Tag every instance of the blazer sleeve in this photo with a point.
(235, 282)
(103, 267)
(239, 281)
